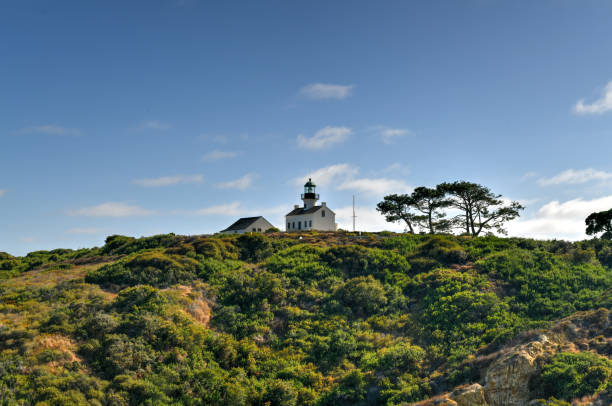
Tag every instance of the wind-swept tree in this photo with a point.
(398, 208)
(422, 208)
(600, 222)
(429, 202)
(481, 209)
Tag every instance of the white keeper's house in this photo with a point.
(310, 216)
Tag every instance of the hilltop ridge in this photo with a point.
(311, 318)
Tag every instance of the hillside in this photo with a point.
(308, 319)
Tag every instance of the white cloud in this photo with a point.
(217, 155)
(389, 135)
(376, 186)
(2, 192)
(329, 175)
(559, 220)
(600, 106)
(572, 176)
(368, 219)
(324, 138)
(49, 129)
(153, 125)
(111, 209)
(344, 177)
(241, 184)
(85, 231)
(169, 180)
(326, 91)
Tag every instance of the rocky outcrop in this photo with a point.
(506, 373)
(472, 395)
(507, 379)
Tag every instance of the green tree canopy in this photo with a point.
(398, 208)
(600, 222)
(428, 202)
(482, 209)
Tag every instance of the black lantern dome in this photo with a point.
(309, 190)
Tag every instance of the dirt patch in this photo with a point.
(200, 311)
(195, 303)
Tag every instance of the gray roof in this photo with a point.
(301, 210)
(242, 224)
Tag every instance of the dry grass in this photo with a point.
(18, 313)
(194, 303)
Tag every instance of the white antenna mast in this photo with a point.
(354, 216)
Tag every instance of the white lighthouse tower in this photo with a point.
(310, 216)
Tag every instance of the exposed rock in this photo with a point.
(506, 372)
(507, 379)
(472, 395)
(444, 402)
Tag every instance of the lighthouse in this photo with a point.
(309, 216)
(309, 197)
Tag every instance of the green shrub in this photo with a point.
(140, 298)
(355, 260)
(254, 247)
(217, 248)
(363, 295)
(150, 268)
(542, 285)
(121, 245)
(442, 249)
(573, 375)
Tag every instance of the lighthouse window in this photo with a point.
(310, 223)
(322, 213)
(294, 225)
(299, 225)
(288, 226)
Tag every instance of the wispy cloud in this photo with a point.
(2, 192)
(328, 175)
(217, 155)
(242, 183)
(572, 176)
(389, 135)
(345, 177)
(111, 209)
(169, 180)
(376, 186)
(319, 91)
(153, 125)
(324, 138)
(368, 219)
(49, 129)
(559, 219)
(85, 231)
(599, 106)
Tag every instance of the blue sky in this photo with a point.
(148, 117)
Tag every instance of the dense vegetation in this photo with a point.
(288, 319)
